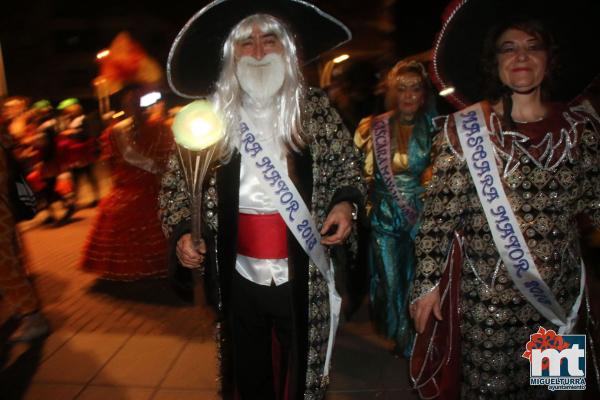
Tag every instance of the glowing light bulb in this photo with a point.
(197, 126)
(200, 127)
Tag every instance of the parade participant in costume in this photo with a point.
(15, 287)
(44, 175)
(18, 120)
(14, 117)
(126, 240)
(397, 145)
(255, 257)
(514, 172)
(78, 146)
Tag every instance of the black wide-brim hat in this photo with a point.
(457, 51)
(195, 57)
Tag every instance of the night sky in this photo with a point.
(49, 47)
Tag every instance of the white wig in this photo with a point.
(228, 93)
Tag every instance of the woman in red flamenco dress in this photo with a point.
(126, 242)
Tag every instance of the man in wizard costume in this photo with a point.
(287, 189)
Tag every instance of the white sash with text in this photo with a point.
(256, 156)
(380, 129)
(478, 151)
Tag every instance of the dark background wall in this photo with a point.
(49, 46)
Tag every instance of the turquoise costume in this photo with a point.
(391, 244)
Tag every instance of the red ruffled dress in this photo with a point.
(126, 241)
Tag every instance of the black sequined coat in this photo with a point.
(326, 172)
(550, 171)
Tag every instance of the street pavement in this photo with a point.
(139, 341)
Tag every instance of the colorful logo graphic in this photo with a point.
(557, 361)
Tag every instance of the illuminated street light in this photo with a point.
(447, 91)
(341, 58)
(102, 54)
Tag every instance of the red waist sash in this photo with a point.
(262, 236)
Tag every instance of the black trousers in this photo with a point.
(88, 171)
(258, 311)
(49, 194)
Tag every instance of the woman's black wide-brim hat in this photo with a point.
(195, 57)
(458, 47)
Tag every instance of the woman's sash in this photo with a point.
(258, 157)
(511, 245)
(380, 129)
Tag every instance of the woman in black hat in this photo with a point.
(513, 174)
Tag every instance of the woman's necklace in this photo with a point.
(402, 135)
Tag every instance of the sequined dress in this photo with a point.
(126, 241)
(549, 170)
(391, 242)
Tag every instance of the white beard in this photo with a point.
(261, 79)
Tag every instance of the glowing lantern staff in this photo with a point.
(197, 128)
